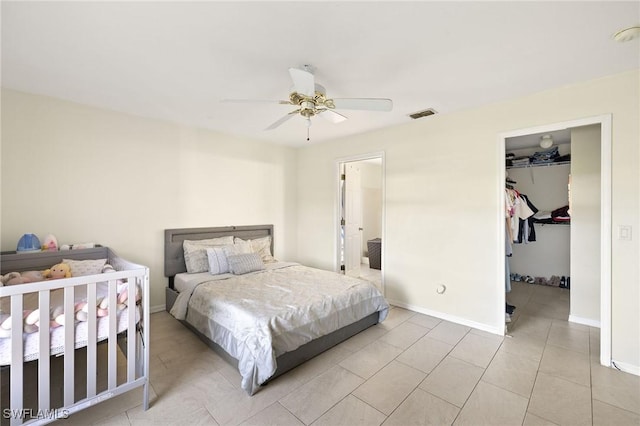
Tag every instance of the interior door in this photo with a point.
(352, 219)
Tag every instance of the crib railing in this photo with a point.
(136, 348)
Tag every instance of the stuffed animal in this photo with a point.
(33, 276)
(77, 246)
(21, 278)
(60, 270)
(50, 243)
(13, 278)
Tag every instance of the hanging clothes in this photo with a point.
(511, 199)
(508, 252)
(531, 232)
(519, 211)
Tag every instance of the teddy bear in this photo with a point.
(60, 270)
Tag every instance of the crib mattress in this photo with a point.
(31, 341)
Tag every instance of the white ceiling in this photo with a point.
(178, 60)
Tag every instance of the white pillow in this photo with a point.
(262, 246)
(217, 260)
(85, 267)
(195, 252)
(240, 247)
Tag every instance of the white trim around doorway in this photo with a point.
(605, 122)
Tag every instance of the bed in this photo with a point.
(50, 370)
(268, 320)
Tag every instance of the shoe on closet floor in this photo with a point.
(563, 282)
(540, 281)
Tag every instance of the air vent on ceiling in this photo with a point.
(424, 113)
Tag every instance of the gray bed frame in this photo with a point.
(174, 264)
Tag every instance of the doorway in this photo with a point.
(537, 177)
(603, 124)
(360, 217)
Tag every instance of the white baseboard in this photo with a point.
(157, 308)
(451, 318)
(627, 368)
(584, 321)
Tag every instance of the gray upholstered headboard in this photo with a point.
(173, 238)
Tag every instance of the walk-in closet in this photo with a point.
(553, 190)
(538, 225)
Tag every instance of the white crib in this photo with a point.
(48, 382)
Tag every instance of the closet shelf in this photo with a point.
(559, 163)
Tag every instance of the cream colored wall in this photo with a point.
(585, 224)
(86, 174)
(443, 203)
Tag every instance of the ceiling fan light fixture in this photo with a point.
(627, 34)
(310, 99)
(546, 141)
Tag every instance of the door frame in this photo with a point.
(604, 121)
(337, 214)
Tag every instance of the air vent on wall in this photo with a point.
(424, 113)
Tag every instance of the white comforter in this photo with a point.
(258, 316)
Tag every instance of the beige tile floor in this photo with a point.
(409, 370)
(373, 275)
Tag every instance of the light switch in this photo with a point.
(624, 232)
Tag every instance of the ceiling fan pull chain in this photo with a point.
(307, 134)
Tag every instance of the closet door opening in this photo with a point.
(539, 255)
(560, 263)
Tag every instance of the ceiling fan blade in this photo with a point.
(332, 116)
(253, 101)
(303, 81)
(282, 120)
(369, 104)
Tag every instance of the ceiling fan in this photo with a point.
(310, 100)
